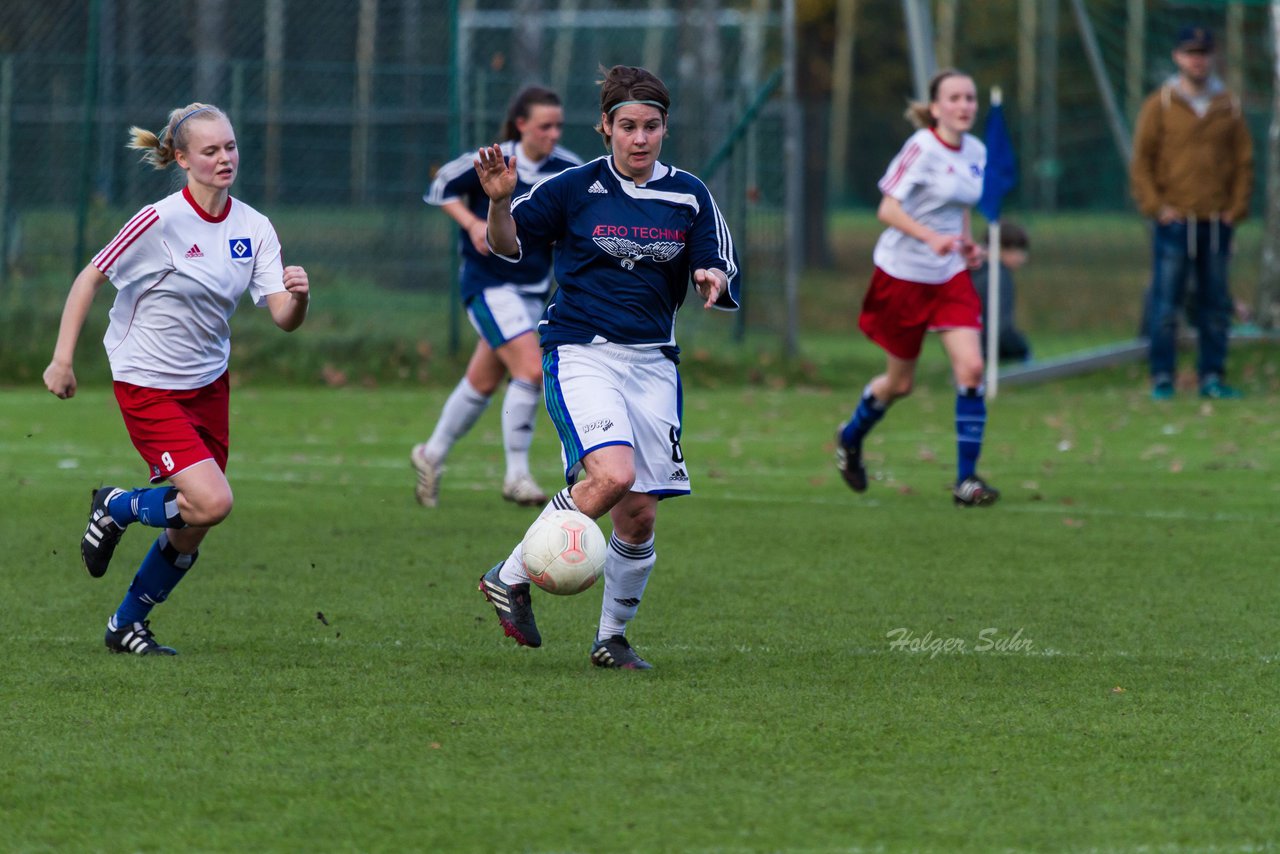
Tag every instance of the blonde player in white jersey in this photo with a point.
(921, 281)
(179, 267)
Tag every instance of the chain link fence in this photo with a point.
(344, 109)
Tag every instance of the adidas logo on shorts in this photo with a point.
(679, 475)
(597, 187)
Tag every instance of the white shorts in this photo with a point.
(503, 313)
(605, 394)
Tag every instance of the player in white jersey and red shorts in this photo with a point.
(179, 267)
(921, 281)
(631, 234)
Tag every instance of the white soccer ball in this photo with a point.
(564, 552)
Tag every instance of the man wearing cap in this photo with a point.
(1192, 173)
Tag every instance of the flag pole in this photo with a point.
(992, 330)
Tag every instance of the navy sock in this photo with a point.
(161, 570)
(971, 420)
(867, 415)
(155, 508)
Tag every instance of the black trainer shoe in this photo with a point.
(849, 462)
(617, 653)
(973, 491)
(137, 639)
(515, 611)
(102, 533)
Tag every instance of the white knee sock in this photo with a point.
(626, 572)
(519, 414)
(460, 413)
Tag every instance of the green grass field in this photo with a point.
(1128, 573)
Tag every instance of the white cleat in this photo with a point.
(524, 490)
(427, 490)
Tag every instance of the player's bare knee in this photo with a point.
(900, 387)
(208, 509)
(969, 375)
(616, 483)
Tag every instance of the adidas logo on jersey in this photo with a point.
(597, 187)
(194, 252)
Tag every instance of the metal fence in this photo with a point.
(344, 109)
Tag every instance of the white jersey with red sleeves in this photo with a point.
(179, 274)
(936, 184)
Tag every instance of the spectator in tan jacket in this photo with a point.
(1192, 173)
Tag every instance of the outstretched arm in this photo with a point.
(498, 178)
(60, 377)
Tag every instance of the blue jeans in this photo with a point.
(1211, 311)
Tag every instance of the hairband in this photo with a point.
(657, 104)
(173, 135)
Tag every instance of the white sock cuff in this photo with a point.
(875, 402)
(631, 551)
(524, 386)
(563, 500)
(473, 395)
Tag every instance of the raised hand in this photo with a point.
(497, 173)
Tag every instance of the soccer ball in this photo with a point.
(564, 552)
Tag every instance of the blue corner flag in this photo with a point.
(1002, 172)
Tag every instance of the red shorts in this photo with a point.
(175, 429)
(896, 313)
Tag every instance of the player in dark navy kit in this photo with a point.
(503, 301)
(631, 233)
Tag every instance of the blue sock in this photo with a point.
(971, 420)
(867, 415)
(156, 508)
(161, 570)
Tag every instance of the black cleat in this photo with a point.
(101, 534)
(616, 653)
(849, 463)
(973, 491)
(137, 639)
(515, 611)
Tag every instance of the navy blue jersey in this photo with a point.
(624, 254)
(457, 181)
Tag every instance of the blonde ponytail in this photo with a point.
(159, 148)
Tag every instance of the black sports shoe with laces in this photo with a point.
(101, 534)
(515, 611)
(849, 463)
(615, 652)
(137, 639)
(973, 491)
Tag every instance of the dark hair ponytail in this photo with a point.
(521, 105)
